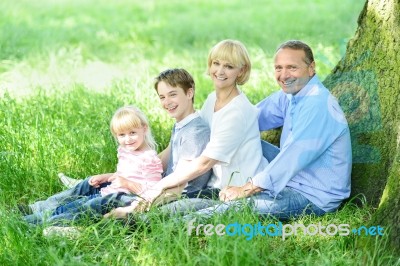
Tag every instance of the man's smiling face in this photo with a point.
(291, 70)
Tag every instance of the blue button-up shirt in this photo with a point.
(315, 148)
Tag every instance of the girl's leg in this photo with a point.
(94, 207)
(51, 203)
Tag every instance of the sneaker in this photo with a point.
(63, 231)
(67, 181)
(24, 209)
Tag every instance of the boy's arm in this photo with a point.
(164, 157)
(184, 172)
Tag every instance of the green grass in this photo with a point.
(66, 66)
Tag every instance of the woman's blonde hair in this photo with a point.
(128, 117)
(235, 52)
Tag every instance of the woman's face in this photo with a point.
(224, 73)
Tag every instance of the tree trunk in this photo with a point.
(367, 84)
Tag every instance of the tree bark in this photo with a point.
(367, 84)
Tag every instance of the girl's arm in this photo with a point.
(97, 180)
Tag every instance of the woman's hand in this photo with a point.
(231, 193)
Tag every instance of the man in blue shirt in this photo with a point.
(311, 171)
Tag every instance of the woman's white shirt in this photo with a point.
(234, 141)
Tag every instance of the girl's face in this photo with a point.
(224, 73)
(133, 139)
(175, 101)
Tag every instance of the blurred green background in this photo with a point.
(66, 66)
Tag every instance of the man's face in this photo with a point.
(291, 71)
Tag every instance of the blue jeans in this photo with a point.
(51, 203)
(287, 204)
(90, 207)
(76, 203)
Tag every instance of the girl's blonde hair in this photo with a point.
(235, 52)
(128, 117)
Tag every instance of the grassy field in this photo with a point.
(66, 66)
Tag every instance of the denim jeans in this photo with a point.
(287, 204)
(90, 207)
(68, 199)
(51, 203)
(85, 207)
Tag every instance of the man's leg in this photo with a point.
(269, 151)
(288, 204)
(51, 203)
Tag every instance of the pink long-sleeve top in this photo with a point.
(143, 167)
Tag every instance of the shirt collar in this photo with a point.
(305, 90)
(186, 120)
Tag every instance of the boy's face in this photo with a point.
(174, 100)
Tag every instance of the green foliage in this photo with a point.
(66, 66)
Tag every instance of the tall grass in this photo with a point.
(66, 66)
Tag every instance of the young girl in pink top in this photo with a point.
(137, 162)
(137, 158)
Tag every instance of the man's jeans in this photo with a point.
(287, 204)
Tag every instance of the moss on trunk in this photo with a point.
(367, 84)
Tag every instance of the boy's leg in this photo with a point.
(51, 203)
(73, 205)
(186, 206)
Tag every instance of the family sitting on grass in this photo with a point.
(215, 156)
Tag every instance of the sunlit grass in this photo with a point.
(66, 66)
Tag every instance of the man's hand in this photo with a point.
(232, 193)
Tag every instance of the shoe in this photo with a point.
(63, 231)
(67, 181)
(24, 209)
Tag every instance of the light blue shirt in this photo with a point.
(315, 148)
